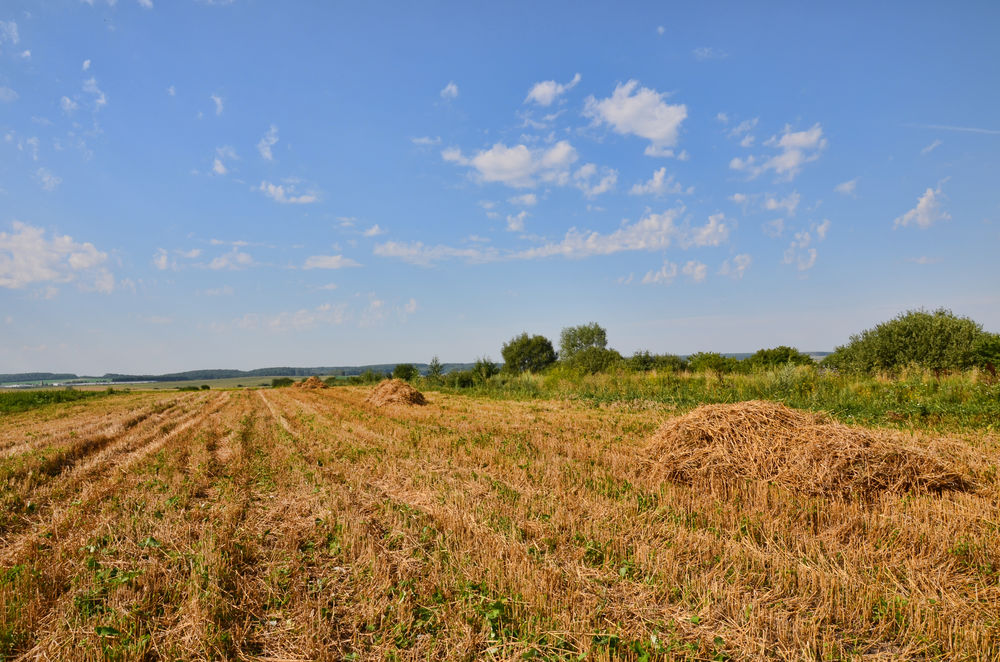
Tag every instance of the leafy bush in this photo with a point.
(591, 360)
(280, 382)
(459, 379)
(712, 361)
(405, 371)
(776, 357)
(484, 369)
(528, 353)
(644, 361)
(575, 339)
(937, 341)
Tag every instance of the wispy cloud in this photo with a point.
(660, 184)
(286, 193)
(847, 188)
(49, 181)
(708, 53)
(946, 127)
(795, 149)
(450, 91)
(548, 91)
(217, 100)
(329, 262)
(269, 140)
(930, 148)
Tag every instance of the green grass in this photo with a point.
(16, 401)
(963, 401)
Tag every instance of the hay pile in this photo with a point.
(803, 452)
(311, 383)
(395, 391)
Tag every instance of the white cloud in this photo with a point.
(518, 166)
(420, 254)
(930, 148)
(660, 184)
(329, 262)
(800, 251)
(927, 212)
(583, 177)
(426, 140)
(234, 259)
(450, 91)
(708, 53)
(172, 91)
(373, 231)
(218, 167)
(545, 92)
(735, 269)
(789, 203)
(410, 307)
(326, 315)
(48, 181)
(146, 4)
(27, 256)
(526, 200)
(739, 198)
(7, 95)
(516, 223)
(190, 254)
(822, 229)
(660, 30)
(775, 228)
(67, 105)
(8, 32)
(847, 188)
(713, 233)
(26, 54)
(695, 270)
(85, 66)
(286, 195)
(217, 100)
(742, 131)
(161, 260)
(269, 140)
(722, 117)
(665, 275)
(795, 149)
(644, 114)
(90, 87)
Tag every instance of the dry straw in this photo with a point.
(803, 452)
(311, 383)
(395, 391)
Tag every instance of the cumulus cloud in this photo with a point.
(449, 91)
(329, 262)
(28, 256)
(713, 233)
(789, 203)
(660, 184)
(593, 181)
(217, 100)
(663, 276)
(847, 188)
(695, 270)
(927, 212)
(515, 223)
(640, 111)
(269, 140)
(518, 166)
(373, 231)
(85, 65)
(90, 87)
(736, 267)
(795, 149)
(286, 194)
(235, 259)
(801, 251)
(48, 181)
(546, 92)
(526, 200)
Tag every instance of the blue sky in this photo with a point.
(196, 184)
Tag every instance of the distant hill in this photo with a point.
(34, 376)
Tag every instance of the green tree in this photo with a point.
(776, 357)
(644, 361)
(705, 361)
(575, 339)
(405, 371)
(279, 382)
(484, 369)
(531, 353)
(434, 369)
(594, 359)
(938, 340)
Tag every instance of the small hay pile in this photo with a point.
(803, 452)
(395, 391)
(311, 383)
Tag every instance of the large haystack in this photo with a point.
(395, 391)
(803, 452)
(311, 383)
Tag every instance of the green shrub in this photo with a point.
(592, 360)
(281, 382)
(776, 357)
(405, 371)
(644, 361)
(712, 361)
(575, 339)
(484, 369)
(937, 341)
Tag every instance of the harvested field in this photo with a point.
(395, 391)
(801, 451)
(311, 383)
(300, 524)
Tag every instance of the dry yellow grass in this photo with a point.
(395, 391)
(305, 524)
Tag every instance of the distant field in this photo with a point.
(291, 524)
